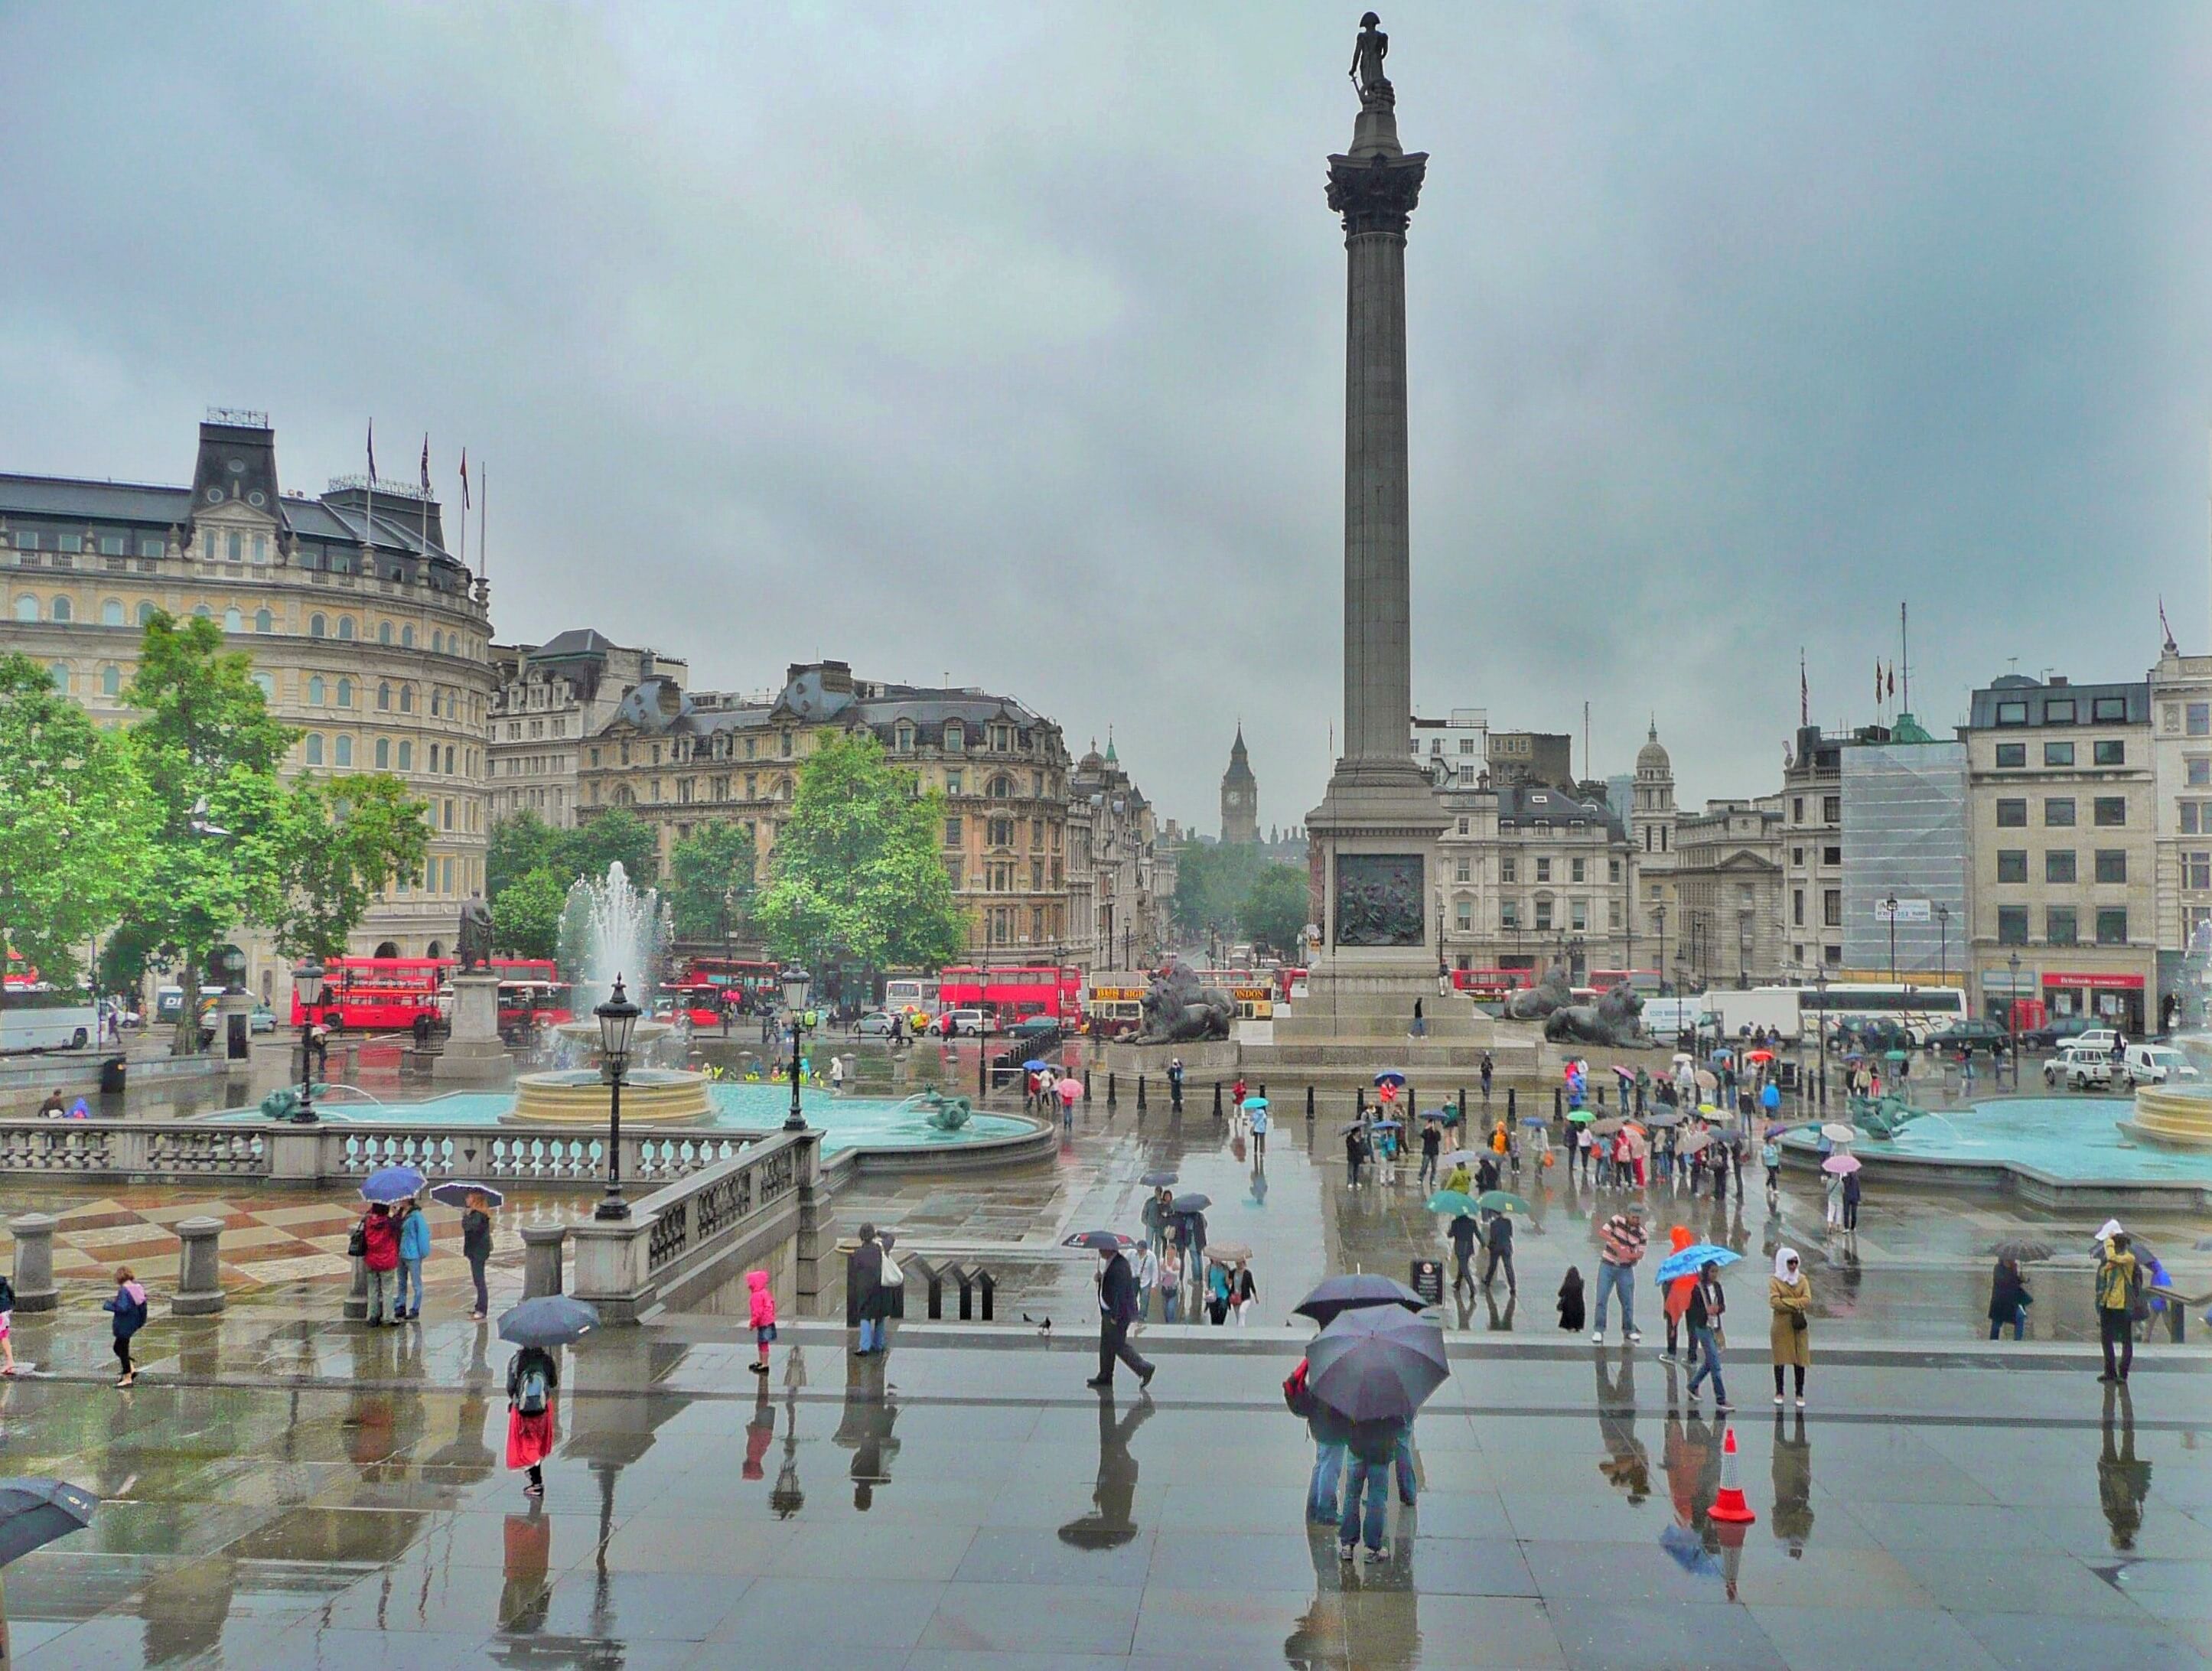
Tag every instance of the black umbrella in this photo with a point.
(1377, 1363)
(550, 1319)
(34, 1512)
(1192, 1203)
(1102, 1240)
(1355, 1293)
(2023, 1250)
(1157, 1180)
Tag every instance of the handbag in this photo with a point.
(1798, 1322)
(892, 1276)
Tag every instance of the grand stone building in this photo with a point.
(366, 634)
(550, 697)
(1121, 870)
(1240, 795)
(679, 758)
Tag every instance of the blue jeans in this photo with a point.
(1327, 1473)
(1403, 1462)
(1619, 1278)
(1170, 1305)
(1372, 1480)
(871, 1334)
(411, 1270)
(1707, 1350)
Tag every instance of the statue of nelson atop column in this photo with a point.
(1367, 56)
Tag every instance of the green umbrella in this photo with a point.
(1581, 1118)
(1453, 1201)
(1897, 1056)
(1501, 1200)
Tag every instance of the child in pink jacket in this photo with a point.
(763, 1317)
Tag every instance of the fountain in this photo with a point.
(608, 929)
(2180, 1116)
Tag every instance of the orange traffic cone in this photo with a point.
(1729, 1505)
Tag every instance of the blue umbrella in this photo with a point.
(34, 1512)
(1688, 1550)
(550, 1319)
(1691, 1259)
(392, 1183)
(455, 1192)
(1394, 1125)
(1033, 1065)
(1389, 1076)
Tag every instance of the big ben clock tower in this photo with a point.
(1240, 796)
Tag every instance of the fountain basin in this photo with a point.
(2173, 1116)
(581, 1096)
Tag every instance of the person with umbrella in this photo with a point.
(2119, 1284)
(413, 1247)
(1255, 1111)
(476, 1247)
(1850, 1195)
(379, 1252)
(1117, 1309)
(1498, 1244)
(1707, 1304)
(2008, 1296)
(532, 1376)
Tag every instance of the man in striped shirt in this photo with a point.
(1620, 1246)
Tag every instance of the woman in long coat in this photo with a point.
(1789, 1296)
(872, 1301)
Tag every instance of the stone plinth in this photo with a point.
(33, 1233)
(199, 1268)
(473, 1054)
(541, 1259)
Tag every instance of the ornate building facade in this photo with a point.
(1240, 795)
(366, 633)
(1123, 869)
(550, 698)
(679, 758)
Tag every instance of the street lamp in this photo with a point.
(2012, 1016)
(617, 1024)
(1659, 912)
(1821, 1024)
(1890, 906)
(308, 987)
(796, 984)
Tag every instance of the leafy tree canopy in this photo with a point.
(73, 822)
(347, 841)
(523, 842)
(1274, 908)
(857, 875)
(1211, 886)
(710, 880)
(525, 919)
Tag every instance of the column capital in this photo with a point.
(1376, 193)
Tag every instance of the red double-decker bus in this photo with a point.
(1013, 992)
(386, 994)
(1490, 982)
(756, 979)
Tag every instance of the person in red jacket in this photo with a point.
(379, 1247)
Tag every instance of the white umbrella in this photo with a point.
(1837, 1133)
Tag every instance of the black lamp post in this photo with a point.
(1890, 906)
(1821, 1024)
(307, 987)
(1659, 913)
(1942, 944)
(796, 982)
(617, 1024)
(2012, 1016)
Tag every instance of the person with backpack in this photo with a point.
(532, 1376)
(376, 1243)
(2119, 1283)
(475, 1247)
(129, 1305)
(1219, 1294)
(413, 1247)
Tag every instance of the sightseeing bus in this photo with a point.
(1921, 1011)
(757, 981)
(37, 1016)
(1013, 992)
(911, 995)
(1488, 984)
(1114, 1004)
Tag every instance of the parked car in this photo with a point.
(958, 1023)
(2105, 1039)
(2157, 1064)
(875, 1022)
(261, 1020)
(2080, 1070)
(2055, 1033)
(1971, 1034)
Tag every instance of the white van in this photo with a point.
(2156, 1064)
(1666, 1017)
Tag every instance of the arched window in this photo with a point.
(384, 754)
(62, 610)
(345, 693)
(264, 621)
(202, 613)
(316, 693)
(111, 612)
(59, 673)
(317, 627)
(27, 607)
(406, 699)
(1002, 788)
(386, 949)
(406, 755)
(315, 756)
(436, 701)
(905, 738)
(110, 680)
(438, 643)
(407, 638)
(266, 684)
(345, 751)
(384, 632)
(233, 621)
(146, 613)
(345, 628)
(384, 695)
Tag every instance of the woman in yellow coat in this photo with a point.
(1789, 1296)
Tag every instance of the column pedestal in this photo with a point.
(473, 1054)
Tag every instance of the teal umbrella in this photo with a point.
(1501, 1200)
(1453, 1201)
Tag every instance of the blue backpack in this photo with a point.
(533, 1392)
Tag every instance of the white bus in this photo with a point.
(40, 1019)
(1921, 1011)
(903, 993)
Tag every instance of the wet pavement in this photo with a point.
(973, 1507)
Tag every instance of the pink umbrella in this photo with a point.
(1840, 1165)
(1069, 1089)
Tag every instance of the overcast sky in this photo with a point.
(1005, 340)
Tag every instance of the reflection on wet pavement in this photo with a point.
(957, 1505)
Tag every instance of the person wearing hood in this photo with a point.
(2008, 1298)
(379, 1253)
(2119, 1283)
(763, 1319)
(871, 1301)
(129, 1304)
(1677, 1298)
(1789, 1297)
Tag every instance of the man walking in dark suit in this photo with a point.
(1117, 1309)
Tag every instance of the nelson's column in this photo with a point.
(1376, 828)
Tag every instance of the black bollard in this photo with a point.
(1086, 1085)
(1359, 1103)
(1558, 1102)
(1217, 1099)
(1140, 1093)
(1309, 1105)
(1511, 1123)
(1460, 1103)
(1113, 1089)
(982, 1068)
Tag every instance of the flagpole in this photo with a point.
(1905, 650)
(368, 520)
(464, 507)
(426, 496)
(484, 516)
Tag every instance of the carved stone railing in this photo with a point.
(133, 1149)
(678, 1240)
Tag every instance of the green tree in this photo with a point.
(520, 843)
(207, 752)
(710, 880)
(345, 842)
(1274, 908)
(616, 834)
(856, 875)
(1211, 885)
(72, 822)
(525, 919)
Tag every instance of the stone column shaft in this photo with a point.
(1378, 675)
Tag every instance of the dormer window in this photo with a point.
(905, 738)
(955, 737)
